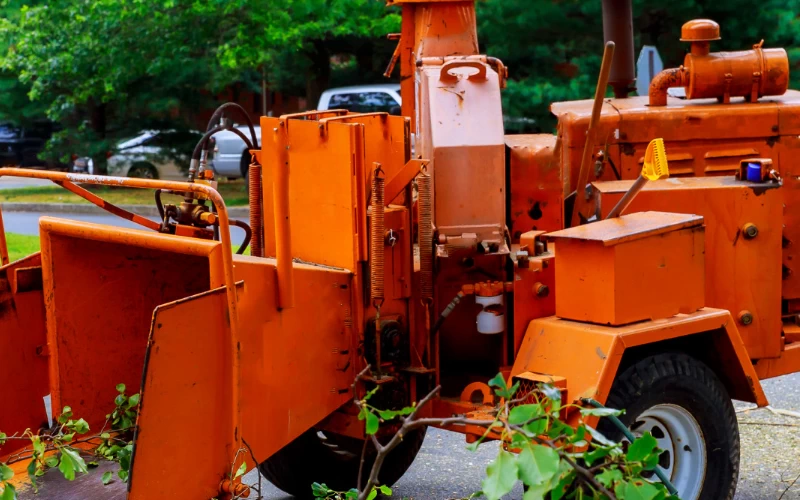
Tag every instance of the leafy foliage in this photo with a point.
(550, 458)
(553, 49)
(55, 448)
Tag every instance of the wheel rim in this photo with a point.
(679, 435)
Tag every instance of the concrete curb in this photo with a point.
(83, 208)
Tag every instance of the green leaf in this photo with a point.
(319, 490)
(501, 475)
(551, 392)
(596, 454)
(105, 435)
(9, 493)
(609, 476)
(601, 412)
(68, 437)
(107, 475)
(66, 413)
(122, 474)
(240, 471)
(641, 447)
(385, 490)
(120, 388)
(351, 494)
(6, 473)
(499, 381)
(71, 462)
(38, 446)
(120, 400)
(523, 413)
(372, 423)
(80, 426)
(537, 492)
(537, 464)
(3, 438)
(562, 486)
(638, 490)
(134, 400)
(32, 474)
(599, 438)
(372, 494)
(51, 461)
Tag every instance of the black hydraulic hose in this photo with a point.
(248, 233)
(447, 310)
(218, 113)
(201, 143)
(159, 205)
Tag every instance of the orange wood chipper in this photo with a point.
(471, 253)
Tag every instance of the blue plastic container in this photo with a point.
(754, 172)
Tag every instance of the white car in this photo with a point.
(231, 159)
(154, 154)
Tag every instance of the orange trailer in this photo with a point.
(363, 249)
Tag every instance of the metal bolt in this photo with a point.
(523, 261)
(541, 290)
(746, 318)
(750, 231)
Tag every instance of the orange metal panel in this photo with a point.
(322, 191)
(741, 274)
(185, 380)
(23, 343)
(647, 265)
(530, 301)
(297, 364)
(101, 285)
(536, 184)
(588, 356)
(468, 154)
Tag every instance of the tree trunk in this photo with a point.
(320, 73)
(98, 122)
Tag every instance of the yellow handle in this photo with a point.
(655, 161)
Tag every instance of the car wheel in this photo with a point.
(683, 404)
(143, 171)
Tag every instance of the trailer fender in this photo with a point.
(585, 357)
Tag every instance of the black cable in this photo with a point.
(248, 233)
(218, 113)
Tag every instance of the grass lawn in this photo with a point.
(234, 193)
(20, 246)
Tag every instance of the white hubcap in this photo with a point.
(679, 435)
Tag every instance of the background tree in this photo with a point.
(553, 48)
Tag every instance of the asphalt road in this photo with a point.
(770, 458)
(18, 182)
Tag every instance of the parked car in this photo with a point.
(152, 154)
(231, 159)
(21, 146)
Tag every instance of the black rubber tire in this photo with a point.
(143, 171)
(679, 379)
(309, 459)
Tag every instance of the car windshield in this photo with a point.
(365, 102)
(8, 131)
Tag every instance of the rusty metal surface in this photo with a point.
(741, 274)
(101, 286)
(630, 228)
(536, 184)
(185, 380)
(588, 356)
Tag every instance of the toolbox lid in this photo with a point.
(631, 227)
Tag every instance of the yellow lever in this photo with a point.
(655, 168)
(655, 161)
